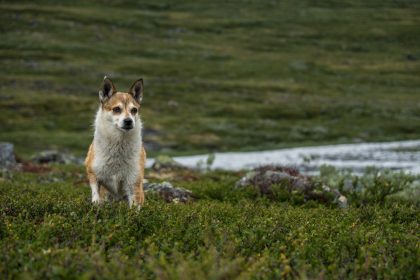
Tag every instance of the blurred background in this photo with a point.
(219, 75)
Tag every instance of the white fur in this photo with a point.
(117, 156)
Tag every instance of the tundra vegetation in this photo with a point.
(218, 77)
(49, 229)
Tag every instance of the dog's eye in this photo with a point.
(134, 111)
(116, 110)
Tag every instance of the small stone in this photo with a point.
(165, 162)
(342, 202)
(246, 180)
(7, 156)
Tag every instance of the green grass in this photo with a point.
(50, 230)
(231, 76)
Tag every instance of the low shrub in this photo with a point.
(51, 230)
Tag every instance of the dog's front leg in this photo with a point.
(139, 193)
(132, 195)
(138, 187)
(129, 194)
(93, 182)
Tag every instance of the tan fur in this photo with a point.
(139, 192)
(126, 102)
(120, 97)
(88, 163)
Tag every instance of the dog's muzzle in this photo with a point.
(128, 124)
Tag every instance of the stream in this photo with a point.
(397, 155)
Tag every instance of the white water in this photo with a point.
(400, 155)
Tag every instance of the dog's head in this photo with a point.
(121, 108)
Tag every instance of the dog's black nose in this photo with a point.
(128, 123)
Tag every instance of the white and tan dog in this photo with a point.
(116, 157)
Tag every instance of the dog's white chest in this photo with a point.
(117, 166)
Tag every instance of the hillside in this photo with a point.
(218, 77)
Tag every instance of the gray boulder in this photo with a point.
(7, 156)
(168, 192)
(267, 178)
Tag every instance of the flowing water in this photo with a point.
(398, 155)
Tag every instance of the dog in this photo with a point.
(116, 158)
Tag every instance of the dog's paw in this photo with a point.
(96, 200)
(136, 206)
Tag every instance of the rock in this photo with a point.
(247, 179)
(165, 162)
(290, 180)
(53, 156)
(342, 201)
(168, 192)
(173, 104)
(265, 177)
(7, 156)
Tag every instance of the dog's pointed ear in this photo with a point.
(107, 89)
(136, 90)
